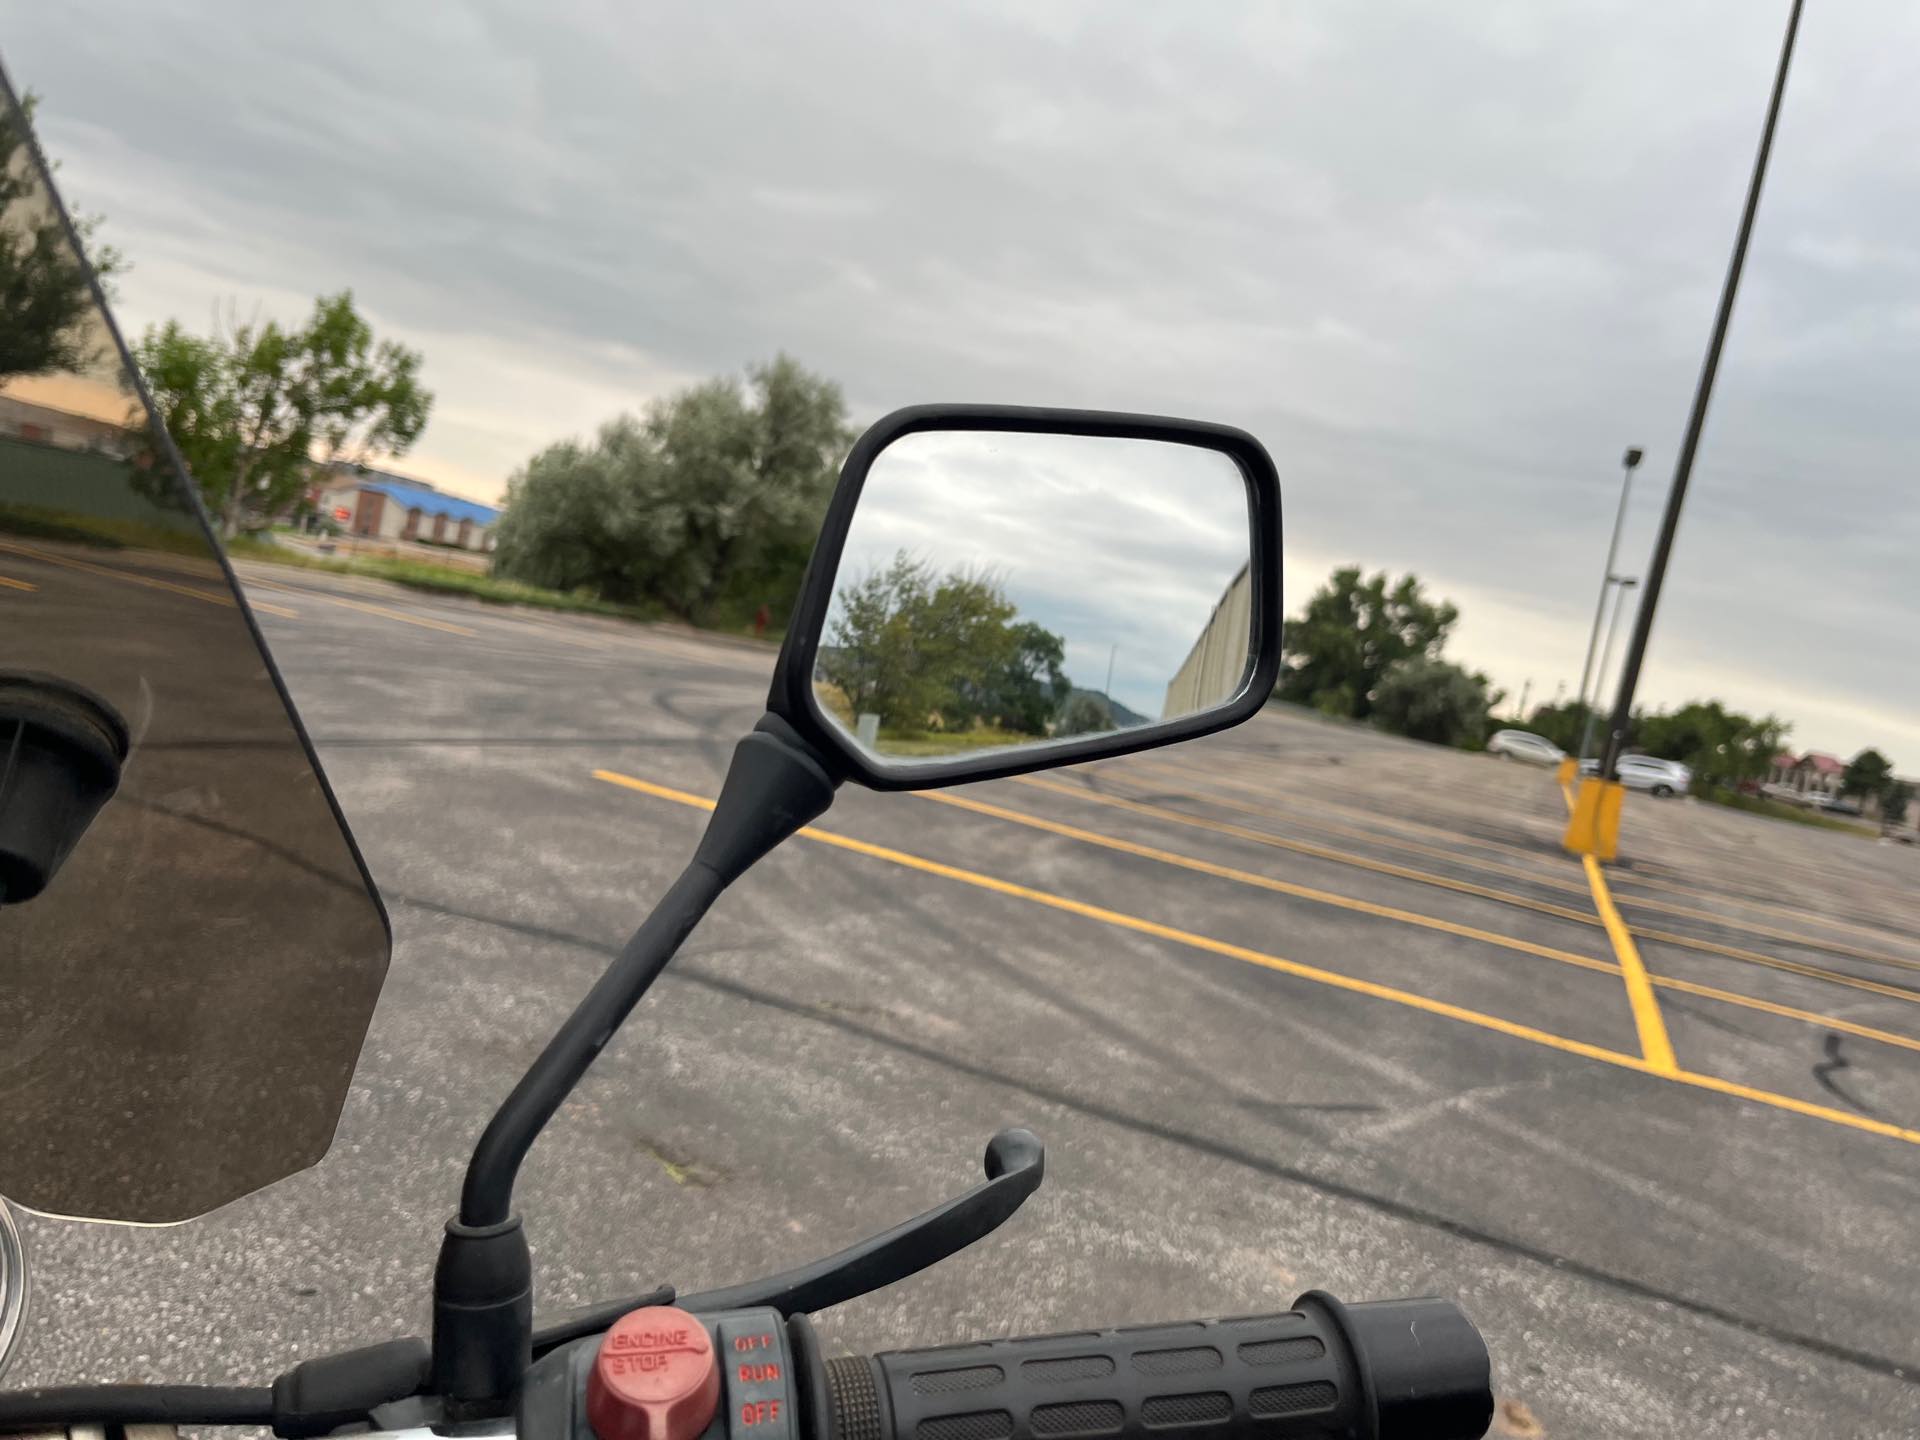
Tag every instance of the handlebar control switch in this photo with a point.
(656, 1377)
(759, 1374)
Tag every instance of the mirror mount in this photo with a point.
(792, 697)
(483, 1283)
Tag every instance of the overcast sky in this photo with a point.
(1447, 260)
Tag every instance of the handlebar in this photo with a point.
(1380, 1371)
(1386, 1370)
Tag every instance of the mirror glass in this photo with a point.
(1003, 589)
(186, 975)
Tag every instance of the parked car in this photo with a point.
(1654, 775)
(1649, 773)
(1522, 745)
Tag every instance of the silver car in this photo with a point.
(1648, 772)
(1524, 745)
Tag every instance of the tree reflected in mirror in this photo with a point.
(942, 662)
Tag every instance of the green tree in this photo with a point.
(568, 521)
(48, 321)
(1894, 800)
(1426, 698)
(1721, 747)
(1352, 632)
(1867, 774)
(706, 505)
(253, 405)
(922, 650)
(1023, 685)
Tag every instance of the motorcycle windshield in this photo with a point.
(182, 1003)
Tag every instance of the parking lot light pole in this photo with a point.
(1629, 462)
(1623, 583)
(1696, 418)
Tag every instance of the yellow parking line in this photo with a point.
(192, 592)
(1306, 847)
(1531, 873)
(1273, 810)
(1754, 927)
(1330, 978)
(1466, 887)
(1555, 882)
(1413, 918)
(1672, 909)
(1791, 937)
(1249, 877)
(1747, 902)
(13, 584)
(1654, 1043)
(383, 611)
(1769, 1007)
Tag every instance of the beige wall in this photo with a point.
(1217, 663)
(22, 419)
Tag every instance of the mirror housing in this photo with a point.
(793, 692)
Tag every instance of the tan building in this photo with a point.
(379, 505)
(22, 419)
(1810, 774)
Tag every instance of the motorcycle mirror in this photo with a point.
(1002, 589)
(973, 559)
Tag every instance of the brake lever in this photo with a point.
(1015, 1164)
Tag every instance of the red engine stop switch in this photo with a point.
(656, 1378)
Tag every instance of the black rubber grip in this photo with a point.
(1392, 1370)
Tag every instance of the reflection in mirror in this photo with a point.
(1003, 589)
(189, 948)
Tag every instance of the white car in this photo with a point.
(1649, 773)
(1522, 745)
(1654, 775)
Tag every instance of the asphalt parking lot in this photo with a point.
(1298, 1006)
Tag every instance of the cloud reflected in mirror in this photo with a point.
(1000, 590)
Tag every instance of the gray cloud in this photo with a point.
(1446, 260)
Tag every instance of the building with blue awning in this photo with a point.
(379, 505)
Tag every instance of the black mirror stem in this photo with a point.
(483, 1284)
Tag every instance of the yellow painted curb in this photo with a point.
(1594, 827)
